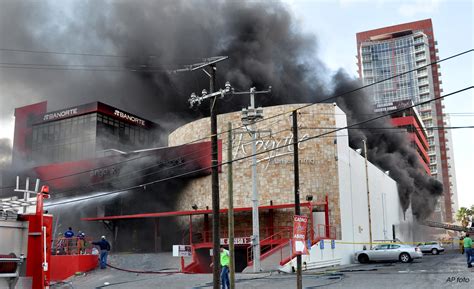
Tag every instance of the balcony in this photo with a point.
(420, 56)
(422, 72)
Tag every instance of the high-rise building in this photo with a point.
(390, 51)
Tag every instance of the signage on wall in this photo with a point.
(129, 117)
(60, 114)
(300, 225)
(96, 107)
(393, 105)
(237, 241)
(182, 251)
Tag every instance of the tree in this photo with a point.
(463, 215)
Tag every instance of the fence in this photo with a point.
(72, 246)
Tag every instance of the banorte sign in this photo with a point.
(129, 117)
(60, 114)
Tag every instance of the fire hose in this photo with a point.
(8, 267)
(146, 271)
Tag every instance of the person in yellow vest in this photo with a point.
(468, 249)
(225, 261)
(461, 245)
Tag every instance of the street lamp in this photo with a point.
(250, 115)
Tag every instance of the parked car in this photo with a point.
(389, 252)
(432, 247)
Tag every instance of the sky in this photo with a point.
(335, 24)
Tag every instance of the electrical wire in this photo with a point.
(121, 178)
(302, 107)
(86, 54)
(273, 149)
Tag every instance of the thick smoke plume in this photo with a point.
(262, 40)
(389, 149)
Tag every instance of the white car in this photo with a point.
(432, 247)
(389, 252)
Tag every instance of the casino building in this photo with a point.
(334, 195)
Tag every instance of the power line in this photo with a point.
(150, 56)
(62, 53)
(122, 179)
(299, 108)
(371, 84)
(269, 150)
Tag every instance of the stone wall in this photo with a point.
(318, 161)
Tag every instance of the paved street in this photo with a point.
(443, 271)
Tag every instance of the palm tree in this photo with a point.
(463, 214)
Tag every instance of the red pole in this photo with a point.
(326, 216)
(312, 221)
(38, 240)
(190, 229)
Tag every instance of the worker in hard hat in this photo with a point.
(104, 251)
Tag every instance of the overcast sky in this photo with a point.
(335, 23)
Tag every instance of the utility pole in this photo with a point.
(215, 182)
(250, 116)
(368, 192)
(194, 99)
(299, 281)
(211, 63)
(215, 173)
(230, 186)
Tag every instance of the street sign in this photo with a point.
(321, 244)
(333, 244)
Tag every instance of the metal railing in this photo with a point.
(206, 236)
(270, 243)
(72, 246)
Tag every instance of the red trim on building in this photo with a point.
(24, 118)
(411, 121)
(198, 212)
(70, 175)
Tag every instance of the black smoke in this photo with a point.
(389, 149)
(263, 41)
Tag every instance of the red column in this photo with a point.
(326, 216)
(39, 244)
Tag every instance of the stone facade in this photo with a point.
(318, 161)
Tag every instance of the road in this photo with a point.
(447, 270)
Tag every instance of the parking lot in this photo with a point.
(447, 270)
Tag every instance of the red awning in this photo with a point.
(198, 212)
